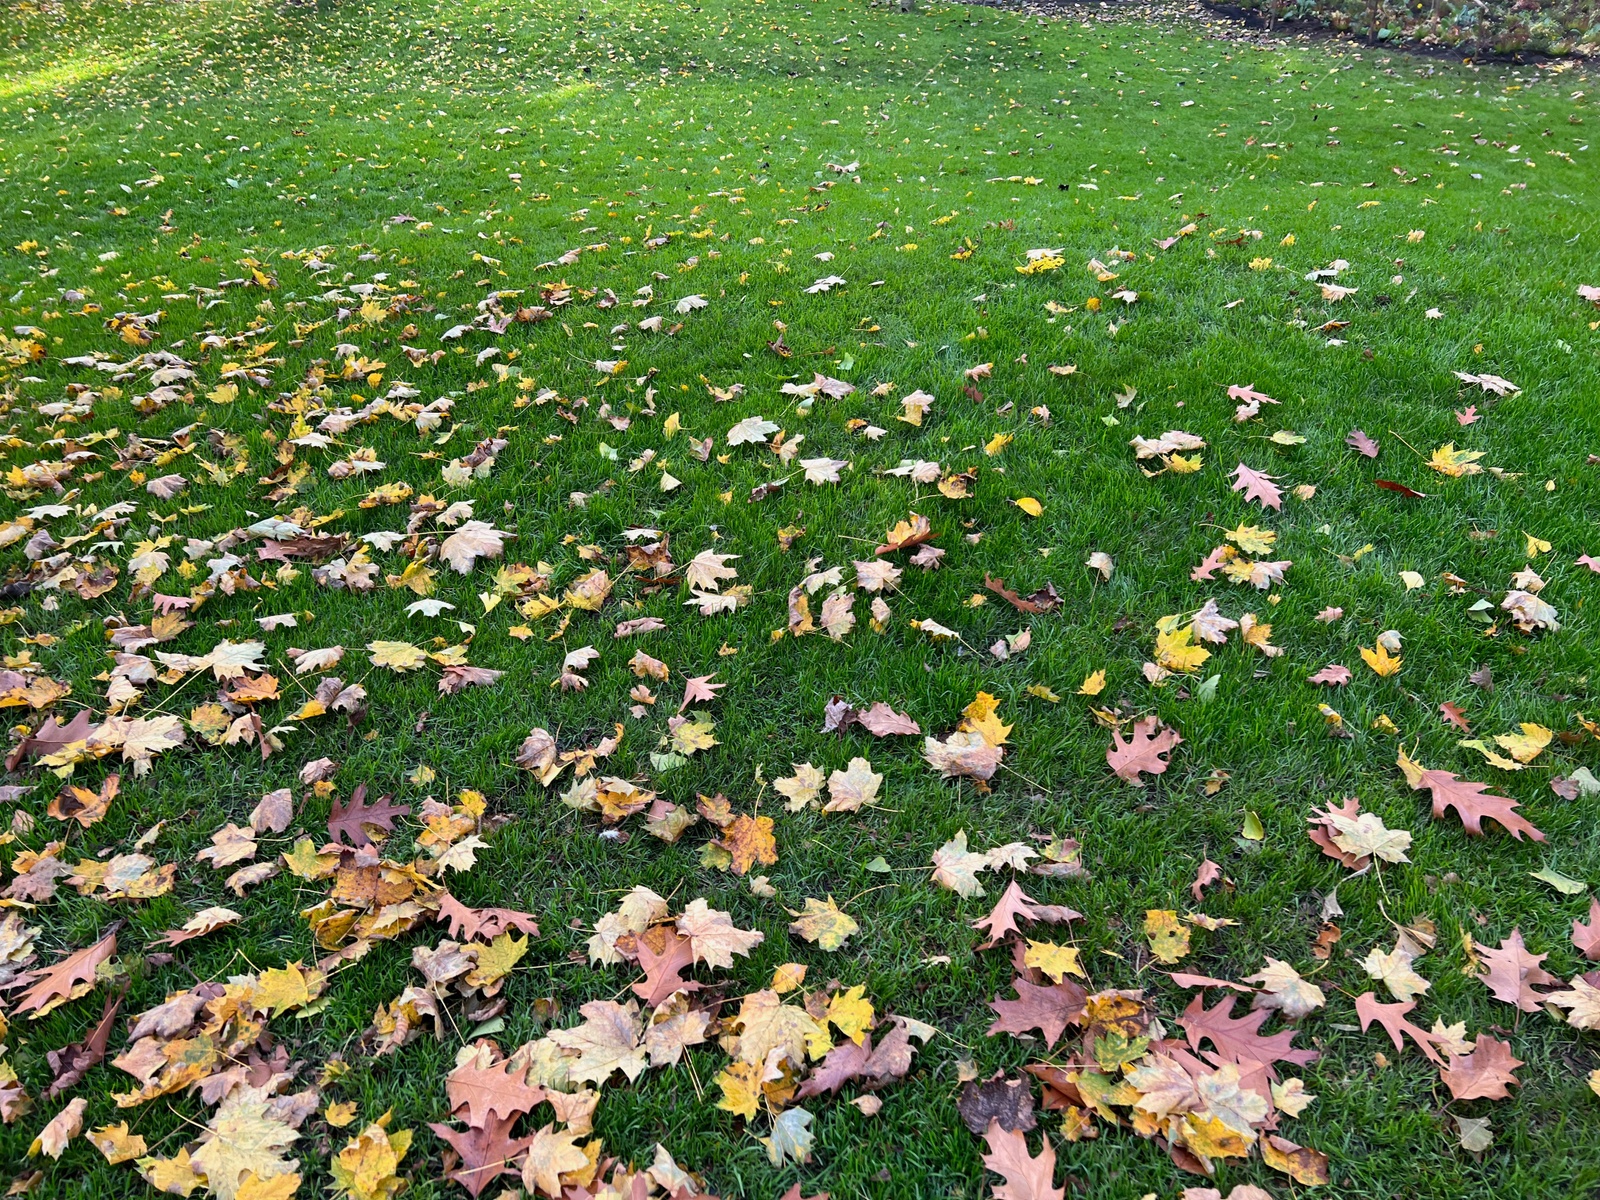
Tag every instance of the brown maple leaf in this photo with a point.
(1027, 1178)
(1048, 1009)
(348, 823)
(50, 987)
(1473, 802)
(1238, 1039)
(483, 924)
(486, 1154)
(1483, 1074)
(82, 805)
(749, 840)
(664, 955)
(1511, 973)
(1587, 937)
(1015, 905)
(1393, 1019)
(1143, 751)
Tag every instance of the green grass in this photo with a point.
(521, 131)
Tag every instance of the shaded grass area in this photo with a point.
(520, 132)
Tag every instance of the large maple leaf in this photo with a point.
(1027, 1178)
(1238, 1039)
(1143, 751)
(1473, 802)
(1048, 1009)
(486, 1153)
(348, 823)
(1483, 1074)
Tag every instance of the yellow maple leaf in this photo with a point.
(1176, 652)
(1383, 664)
(694, 735)
(279, 1187)
(851, 1013)
(367, 1168)
(1043, 693)
(996, 444)
(281, 988)
(741, 1089)
(496, 960)
(117, 1143)
(1252, 539)
(397, 656)
(1447, 460)
(1055, 961)
(824, 923)
(1527, 745)
(1179, 465)
(1169, 939)
(176, 1176)
(1093, 684)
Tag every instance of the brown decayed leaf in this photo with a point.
(1009, 1102)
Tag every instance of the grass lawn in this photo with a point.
(367, 174)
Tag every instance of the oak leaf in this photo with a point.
(1026, 1177)
(1472, 802)
(1511, 973)
(348, 822)
(46, 989)
(1143, 751)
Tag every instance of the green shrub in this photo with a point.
(1472, 26)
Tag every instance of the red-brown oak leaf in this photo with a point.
(1026, 1177)
(1587, 937)
(1393, 1019)
(1015, 905)
(1473, 802)
(1511, 973)
(1143, 751)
